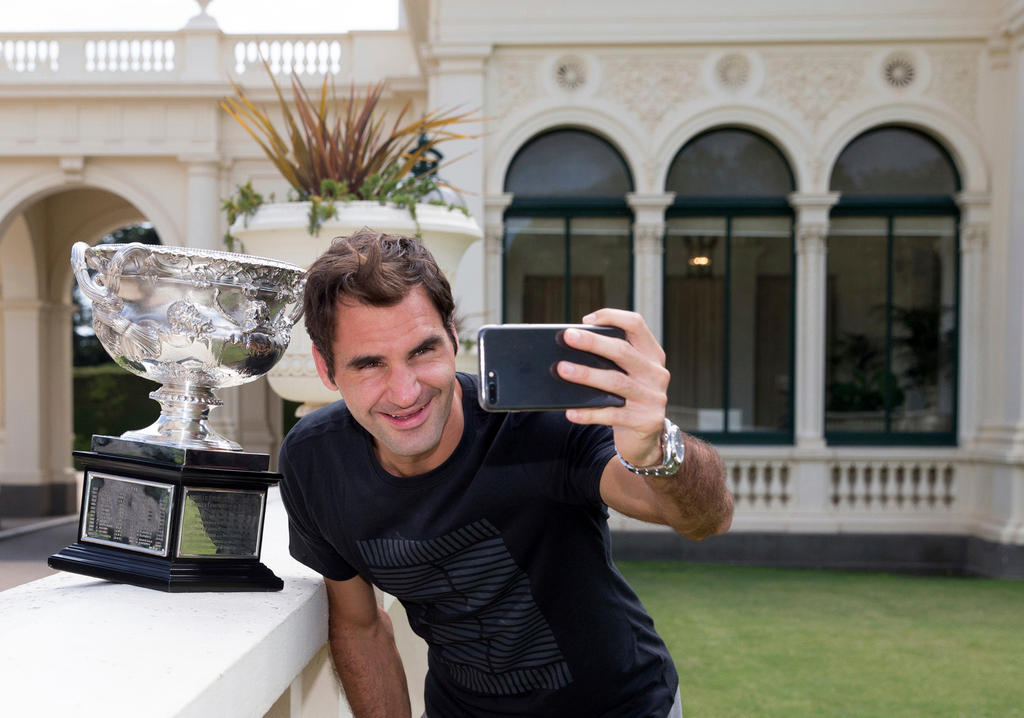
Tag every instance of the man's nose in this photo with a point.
(404, 386)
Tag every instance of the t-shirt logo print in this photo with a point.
(464, 593)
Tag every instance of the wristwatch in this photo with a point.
(672, 448)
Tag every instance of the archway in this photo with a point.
(36, 474)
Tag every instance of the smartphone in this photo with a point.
(518, 368)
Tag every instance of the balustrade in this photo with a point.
(286, 55)
(886, 486)
(135, 55)
(30, 55)
(760, 485)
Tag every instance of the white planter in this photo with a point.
(279, 231)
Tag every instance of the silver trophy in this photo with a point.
(175, 506)
(194, 320)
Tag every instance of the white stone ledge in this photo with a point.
(74, 645)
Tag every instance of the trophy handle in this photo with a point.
(98, 293)
(135, 340)
(105, 293)
(296, 313)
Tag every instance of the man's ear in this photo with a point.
(321, 370)
(455, 338)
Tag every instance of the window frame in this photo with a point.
(566, 209)
(889, 208)
(729, 208)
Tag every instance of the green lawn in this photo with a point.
(751, 641)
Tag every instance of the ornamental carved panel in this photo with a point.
(955, 80)
(814, 86)
(517, 84)
(650, 86)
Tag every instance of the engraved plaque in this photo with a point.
(221, 523)
(127, 513)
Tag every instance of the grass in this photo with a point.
(751, 641)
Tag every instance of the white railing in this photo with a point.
(308, 56)
(39, 57)
(30, 56)
(202, 56)
(759, 484)
(862, 490)
(894, 485)
(135, 55)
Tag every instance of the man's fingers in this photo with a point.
(629, 385)
(638, 334)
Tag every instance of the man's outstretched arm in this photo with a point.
(695, 501)
(363, 647)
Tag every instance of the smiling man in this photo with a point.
(490, 528)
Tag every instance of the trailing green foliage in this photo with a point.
(243, 203)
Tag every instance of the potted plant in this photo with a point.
(349, 166)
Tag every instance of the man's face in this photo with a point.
(395, 368)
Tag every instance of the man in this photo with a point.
(490, 528)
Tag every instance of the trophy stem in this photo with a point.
(184, 411)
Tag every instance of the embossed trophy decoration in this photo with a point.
(175, 506)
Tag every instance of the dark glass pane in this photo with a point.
(534, 269)
(600, 264)
(729, 163)
(856, 380)
(568, 163)
(694, 323)
(894, 161)
(923, 321)
(760, 350)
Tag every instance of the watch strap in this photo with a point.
(672, 451)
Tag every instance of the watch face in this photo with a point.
(674, 449)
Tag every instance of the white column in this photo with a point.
(59, 428)
(974, 232)
(649, 255)
(811, 275)
(1013, 386)
(202, 211)
(494, 234)
(26, 406)
(458, 81)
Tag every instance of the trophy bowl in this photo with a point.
(193, 320)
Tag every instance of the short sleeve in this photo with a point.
(573, 456)
(588, 450)
(305, 542)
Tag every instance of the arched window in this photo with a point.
(728, 288)
(892, 292)
(568, 245)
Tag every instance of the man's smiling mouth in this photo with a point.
(408, 415)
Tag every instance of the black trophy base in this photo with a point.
(171, 575)
(178, 522)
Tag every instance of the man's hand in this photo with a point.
(638, 425)
(695, 501)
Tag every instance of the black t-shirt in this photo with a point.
(500, 556)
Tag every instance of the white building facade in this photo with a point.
(817, 210)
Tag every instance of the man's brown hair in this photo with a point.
(372, 268)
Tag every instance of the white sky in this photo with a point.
(233, 16)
